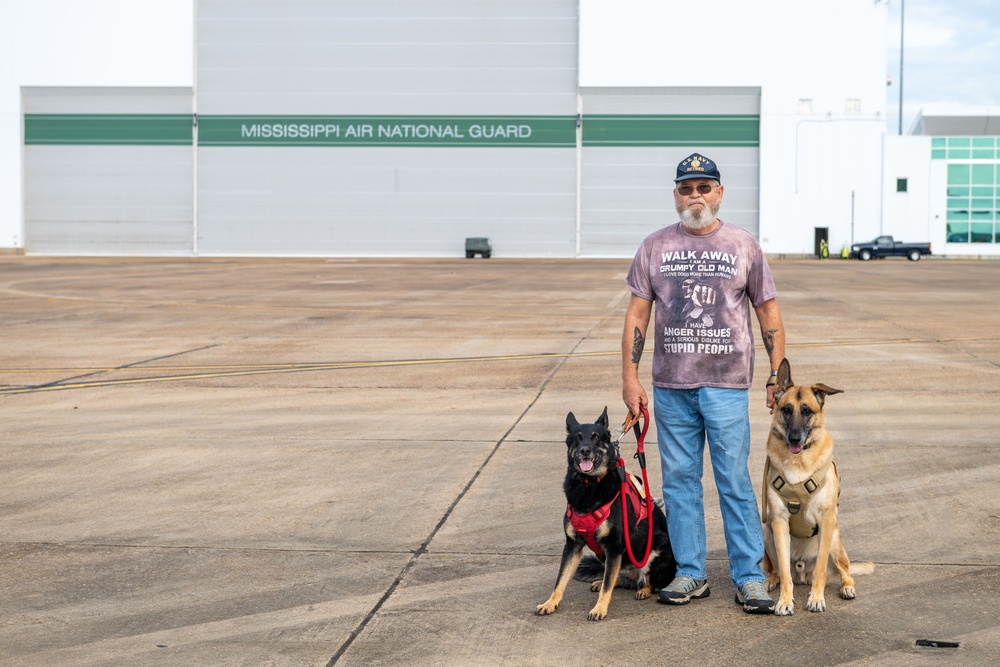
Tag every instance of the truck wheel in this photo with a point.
(469, 254)
(865, 255)
(914, 256)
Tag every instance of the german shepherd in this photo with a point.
(802, 489)
(591, 482)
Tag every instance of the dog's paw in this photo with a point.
(546, 609)
(848, 593)
(596, 585)
(816, 603)
(772, 581)
(597, 613)
(783, 608)
(644, 593)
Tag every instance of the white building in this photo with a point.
(552, 127)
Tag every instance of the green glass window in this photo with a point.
(959, 142)
(983, 142)
(959, 174)
(939, 142)
(981, 232)
(958, 232)
(982, 174)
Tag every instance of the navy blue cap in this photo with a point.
(697, 166)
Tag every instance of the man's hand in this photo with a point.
(770, 398)
(634, 395)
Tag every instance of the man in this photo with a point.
(703, 274)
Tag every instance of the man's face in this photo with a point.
(698, 210)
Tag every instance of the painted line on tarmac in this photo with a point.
(228, 371)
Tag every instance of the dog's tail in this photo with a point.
(862, 567)
(591, 568)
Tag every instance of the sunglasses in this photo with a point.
(703, 189)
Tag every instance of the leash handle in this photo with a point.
(640, 438)
(632, 422)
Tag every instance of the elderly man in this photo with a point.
(704, 276)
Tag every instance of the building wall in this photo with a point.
(108, 171)
(436, 122)
(910, 215)
(834, 58)
(953, 193)
(549, 190)
(633, 139)
(103, 43)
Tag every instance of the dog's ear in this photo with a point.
(784, 379)
(821, 391)
(603, 419)
(571, 422)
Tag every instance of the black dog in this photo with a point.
(594, 518)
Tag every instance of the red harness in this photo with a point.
(586, 525)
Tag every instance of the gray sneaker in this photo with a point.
(683, 589)
(754, 598)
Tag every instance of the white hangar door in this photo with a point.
(386, 128)
(633, 139)
(108, 171)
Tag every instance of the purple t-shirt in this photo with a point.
(703, 287)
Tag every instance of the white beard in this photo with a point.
(698, 218)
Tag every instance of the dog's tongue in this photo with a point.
(586, 465)
(795, 449)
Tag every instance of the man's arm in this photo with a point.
(633, 342)
(773, 333)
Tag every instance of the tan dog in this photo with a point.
(801, 491)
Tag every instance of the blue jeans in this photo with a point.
(684, 419)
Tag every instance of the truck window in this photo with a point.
(883, 240)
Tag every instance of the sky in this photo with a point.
(951, 56)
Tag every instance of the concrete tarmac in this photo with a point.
(347, 462)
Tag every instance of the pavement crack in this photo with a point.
(451, 508)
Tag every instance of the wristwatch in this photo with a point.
(772, 380)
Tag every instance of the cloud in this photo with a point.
(952, 55)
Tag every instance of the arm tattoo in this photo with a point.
(638, 343)
(769, 340)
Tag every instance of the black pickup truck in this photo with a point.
(885, 246)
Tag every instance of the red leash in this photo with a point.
(641, 455)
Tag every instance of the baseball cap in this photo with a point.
(697, 166)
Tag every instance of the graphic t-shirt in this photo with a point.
(703, 287)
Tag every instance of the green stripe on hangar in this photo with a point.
(412, 131)
(108, 129)
(671, 130)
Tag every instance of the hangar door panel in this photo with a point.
(387, 128)
(108, 171)
(633, 139)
